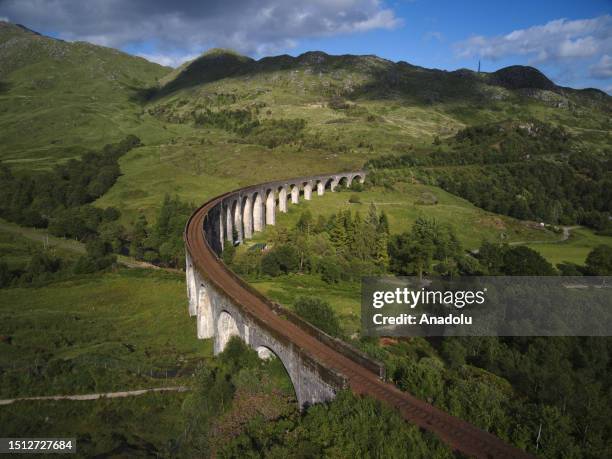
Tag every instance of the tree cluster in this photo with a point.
(244, 122)
(344, 246)
(549, 396)
(528, 170)
(39, 199)
(219, 423)
(160, 242)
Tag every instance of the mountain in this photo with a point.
(59, 98)
(353, 98)
(382, 75)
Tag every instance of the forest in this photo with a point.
(509, 386)
(347, 246)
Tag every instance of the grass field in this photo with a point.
(116, 331)
(472, 224)
(575, 249)
(343, 297)
(206, 164)
(19, 243)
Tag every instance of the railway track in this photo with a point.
(458, 434)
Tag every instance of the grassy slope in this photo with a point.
(59, 98)
(575, 249)
(196, 172)
(472, 224)
(112, 329)
(198, 163)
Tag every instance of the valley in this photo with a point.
(107, 155)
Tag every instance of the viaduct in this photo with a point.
(318, 365)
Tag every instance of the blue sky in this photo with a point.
(570, 41)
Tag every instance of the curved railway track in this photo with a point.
(458, 434)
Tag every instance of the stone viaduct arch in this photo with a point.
(318, 364)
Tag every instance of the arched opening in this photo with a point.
(237, 222)
(226, 328)
(343, 182)
(330, 184)
(247, 217)
(205, 323)
(277, 370)
(359, 178)
(257, 212)
(270, 207)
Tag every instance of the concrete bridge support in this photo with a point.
(221, 231)
(191, 286)
(241, 214)
(219, 318)
(270, 208)
(282, 199)
(229, 225)
(295, 194)
(237, 212)
(308, 191)
(247, 217)
(258, 212)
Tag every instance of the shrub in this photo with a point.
(319, 313)
(5, 274)
(330, 270)
(281, 260)
(357, 186)
(355, 199)
(599, 261)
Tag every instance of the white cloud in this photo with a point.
(249, 26)
(602, 69)
(4, 18)
(554, 41)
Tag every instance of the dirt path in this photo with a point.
(130, 393)
(567, 232)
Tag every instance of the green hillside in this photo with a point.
(59, 98)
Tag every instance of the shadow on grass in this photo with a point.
(5, 87)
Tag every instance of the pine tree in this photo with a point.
(381, 250)
(383, 223)
(338, 236)
(372, 219)
(349, 227)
